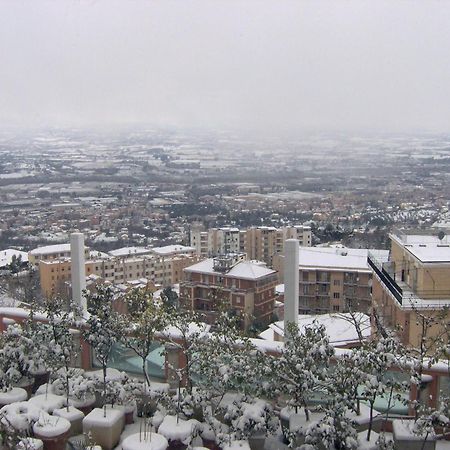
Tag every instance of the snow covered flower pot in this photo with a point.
(41, 376)
(74, 416)
(406, 439)
(84, 404)
(26, 383)
(52, 431)
(19, 416)
(237, 445)
(118, 408)
(12, 396)
(179, 432)
(48, 402)
(145, 441)
(30, 443)
(364, 444)
(105, 431)
(130, 409)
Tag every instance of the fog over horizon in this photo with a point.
(260, 65)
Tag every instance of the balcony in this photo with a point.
(378, 267)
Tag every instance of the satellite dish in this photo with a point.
(441, 235)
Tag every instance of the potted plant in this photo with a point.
(53, 431)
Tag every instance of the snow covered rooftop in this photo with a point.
(337, 258)
(339, 327)
(126, 251)
(244, 269)
(49, 249)
(7, 255)
(173, 249)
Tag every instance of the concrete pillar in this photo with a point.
(78, 270)
(291, 256)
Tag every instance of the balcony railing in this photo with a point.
(385, 277)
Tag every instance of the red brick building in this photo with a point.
(247, 286)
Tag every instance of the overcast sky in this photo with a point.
(278, 65)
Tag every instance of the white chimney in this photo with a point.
(78, 270)
(291, 280)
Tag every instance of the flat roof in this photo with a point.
(339, 327)
(127, 251)
(426, 248)
(49, 249)
(337, 258)
(7, 255)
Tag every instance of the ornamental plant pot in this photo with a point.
(40, 377)
(178, 433)
(405, 439)
(53, 431)
(85, 405)
(364, 444)
(257, 440)
(145, 441)
(26, 383)
(129, 413)
(13, 395)
(30, 443)
(105, 431)
(74, 416)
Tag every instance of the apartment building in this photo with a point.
(333, 279)
(247, 286)
(258, 243)
(51, 252)
(164, 268)
(413, 285)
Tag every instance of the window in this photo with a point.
(336, 295)
(336, 308)
(337, 282)
(305, 276)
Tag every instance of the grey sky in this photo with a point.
(278, 65)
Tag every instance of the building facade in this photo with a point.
(163, 268)
(411, 288)
(333, 279)
(258, 243)
(246, 287)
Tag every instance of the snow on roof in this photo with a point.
(7, 255)
(430, 253)
(126, 251)
(337, 258)
(339, 328)
(243, 269)
(57, 248)
(171, 249)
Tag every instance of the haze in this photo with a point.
(278, 65)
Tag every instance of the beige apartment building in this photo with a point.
(413, 284)
(51, 252)
(258, 243)
(333, 279)
(159, 269)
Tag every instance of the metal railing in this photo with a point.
(385, 277)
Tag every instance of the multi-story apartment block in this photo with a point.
(333, 279)
(412, 285)
(51, 252)
(258, 243)
(246, 286)
(163, 267)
